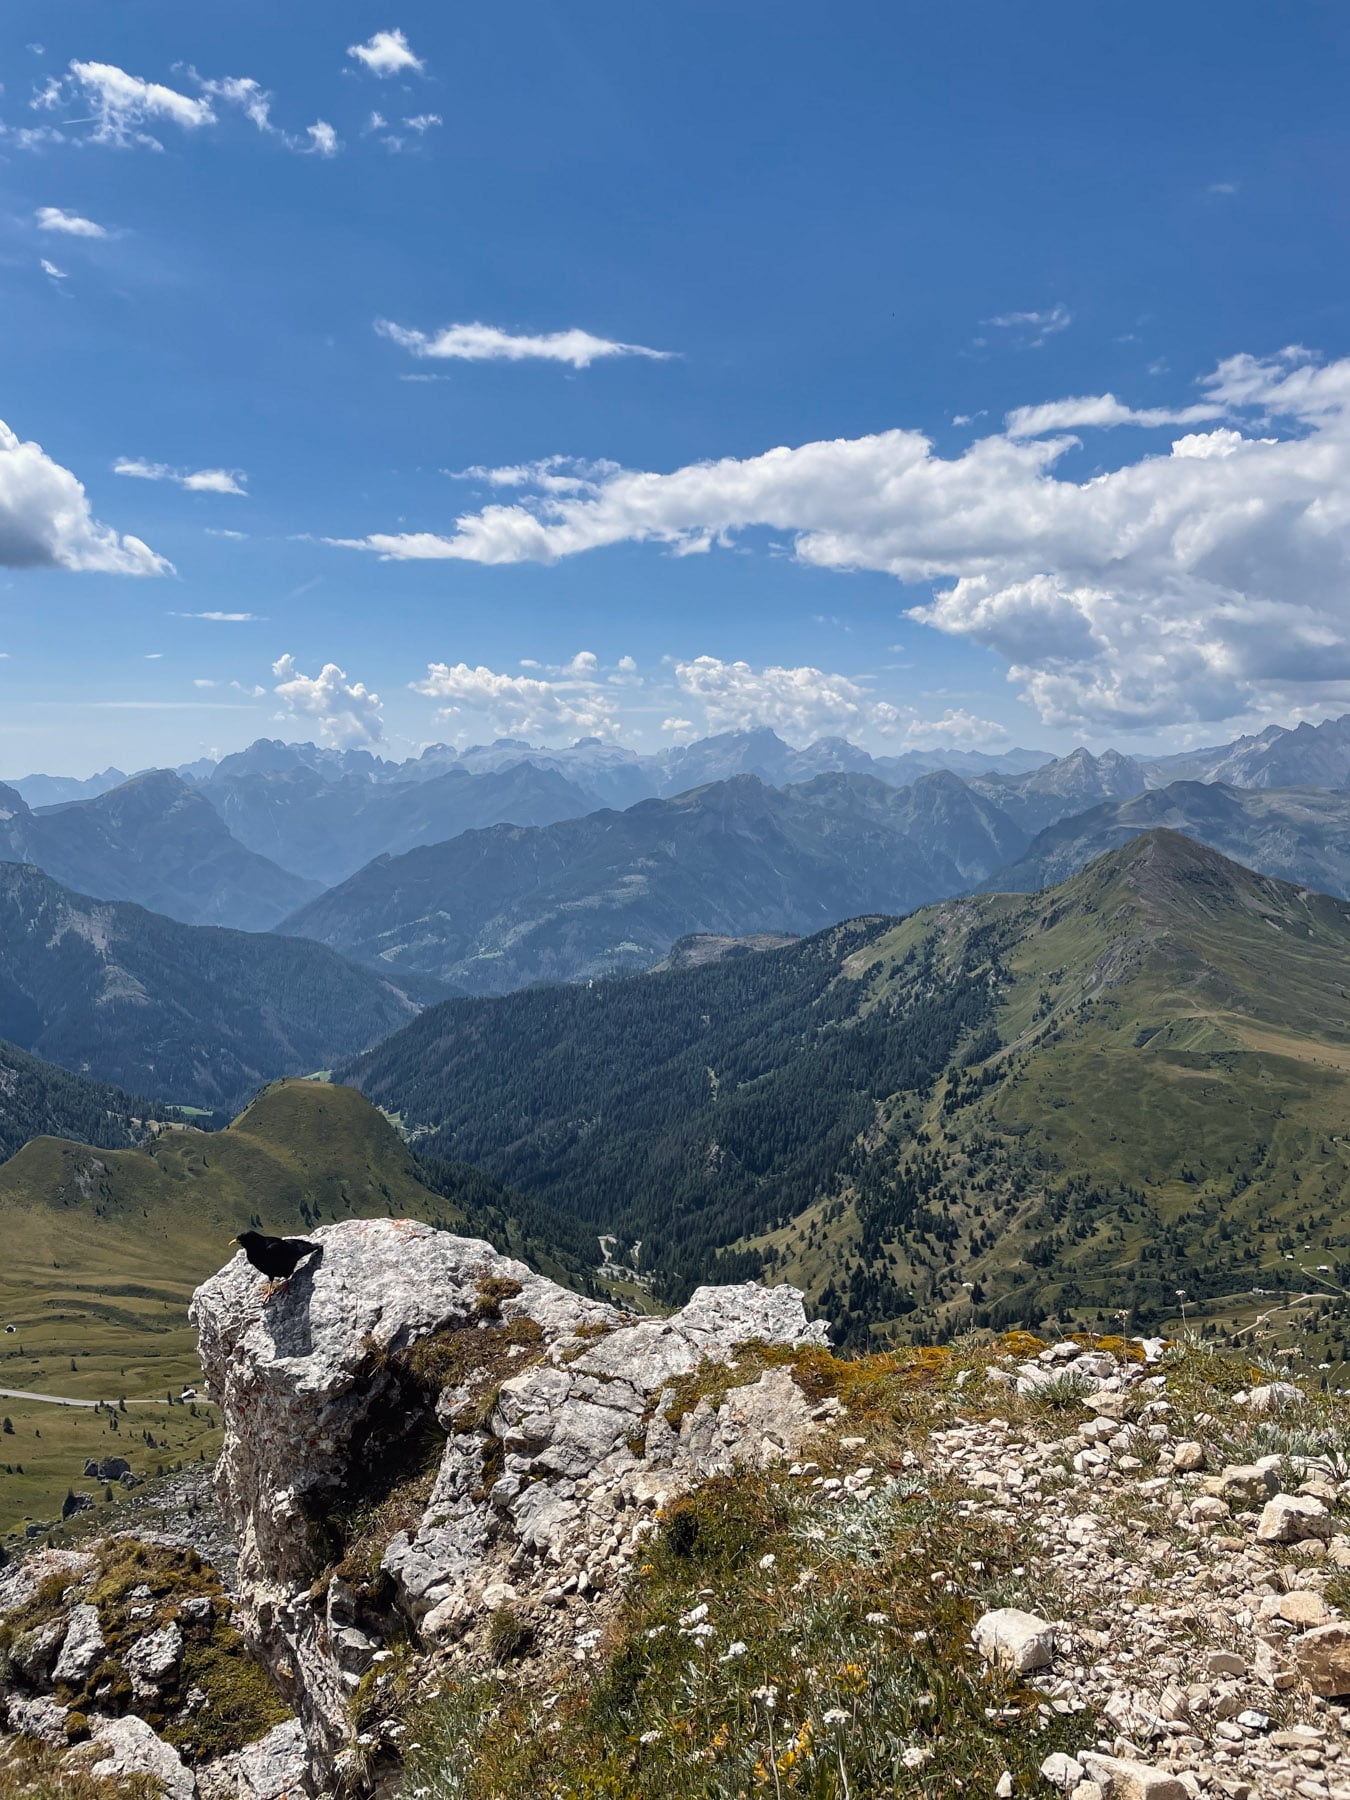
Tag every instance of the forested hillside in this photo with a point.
(1001, 1109)
(37, 1099)
(188, 1015)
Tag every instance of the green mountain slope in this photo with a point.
(37, 1099)
(1135, 1083)
(185, 1014)
(104, 1247)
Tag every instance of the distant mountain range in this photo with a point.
(1298, 834)
(190, 1015)
(387, 860)
(1001, 1109)
(157, 841)
(611, 892)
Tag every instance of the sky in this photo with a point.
(375, 374)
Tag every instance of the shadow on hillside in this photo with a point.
(286, 1316)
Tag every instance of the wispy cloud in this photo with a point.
(488, 343)
(55, 218)
(196, 481)
(1034, 327)
(223, 618)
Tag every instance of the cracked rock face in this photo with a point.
(542, 1480)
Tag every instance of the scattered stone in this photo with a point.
(1121, 1779)
(1188, 1456)
(1276, 1396)
(1323, 1659)
(1017, 1640)
(1290, 1518)
(1303, 1608)
(1062, 1772)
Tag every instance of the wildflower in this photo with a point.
(767, 1562)
(919, 1637)
(767, 1697)
(649, 1737)
(835, 1716)
(852, 1675)
(878, 1619)
(733, 1651)
(695, 1615)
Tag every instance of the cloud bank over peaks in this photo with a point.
(487, 343)
(569, 701)
(1200, 581)
(345, 713)
(46, 522)
(802, 702)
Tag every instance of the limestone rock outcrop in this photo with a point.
(561, 1435)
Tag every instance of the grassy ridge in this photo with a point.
(104, 1248)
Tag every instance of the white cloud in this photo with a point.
(386, 53)
(345, 712)
(196, 481)
(202, 682)
(252, 99)
(572, 704)
(804, 702)
(1034, 327)
(486, 343)
(55, 218)
(423, 122)
(956, 729)
(219, 531)
(50, 268)
(323, 140)
(45, 521)
(1198, 583)
(1102, 410)
(224, 618)
(123, 104)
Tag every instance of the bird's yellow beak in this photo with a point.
(234, 1240)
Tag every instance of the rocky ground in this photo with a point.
(495, 1538)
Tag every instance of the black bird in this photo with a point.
(275, 1257)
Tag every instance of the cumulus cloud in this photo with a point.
(486, 343)
(55, 218)
(50, 268)
(386, 53)
(803, 702)
(46, 523)
(323, 140)
(1197, 582)
(344, 712)
(572, 703)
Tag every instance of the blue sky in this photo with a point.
(862, 235)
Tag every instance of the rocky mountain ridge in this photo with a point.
(1108, 1569)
